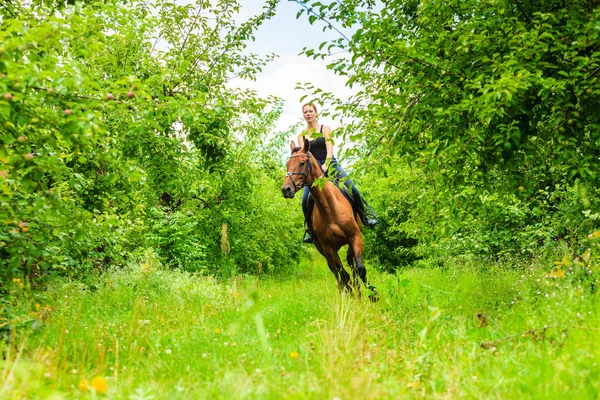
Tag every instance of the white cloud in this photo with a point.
(281, 77)
(286, 36)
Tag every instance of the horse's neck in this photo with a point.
(323, 195)
(315, 170)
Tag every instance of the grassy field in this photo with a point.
(467, 331)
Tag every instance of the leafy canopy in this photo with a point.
(466, 88)
(120, 129)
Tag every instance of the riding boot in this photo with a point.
(361, 205)
(307, 208)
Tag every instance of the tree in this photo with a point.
(491, 106)
(473, 87)
(119, 126)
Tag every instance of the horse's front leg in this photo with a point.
(344, 281)
(358, 267)
(355, 277)
(328, 254)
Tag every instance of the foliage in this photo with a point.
(121, 130)
(473, 87)
(490, 104)
(396, 196)
(133, 165)
(419, 222)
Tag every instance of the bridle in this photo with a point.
(304, 174)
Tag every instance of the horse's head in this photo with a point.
(299, 170)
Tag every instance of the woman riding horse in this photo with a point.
(321, 148)
(334, 222)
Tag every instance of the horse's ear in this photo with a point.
(292, 146)
(306, 148)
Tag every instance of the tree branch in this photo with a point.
(592, 73)
(192, 26)
(9, 11)
(457, 10)
(522, 12)
(410, 105)
(310, 11)
(399, 126)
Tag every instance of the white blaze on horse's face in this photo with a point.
(290, 187)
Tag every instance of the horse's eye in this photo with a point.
(302, 164)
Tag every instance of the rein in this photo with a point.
(304, 174)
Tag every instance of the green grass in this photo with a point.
(153, 333)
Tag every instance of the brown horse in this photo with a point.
(334, 222)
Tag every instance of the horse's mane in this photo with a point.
(295, 149)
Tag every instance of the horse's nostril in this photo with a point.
(286, 190)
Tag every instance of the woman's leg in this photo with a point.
(335, 171)
(339, 173)
(307, 207)
(305, 194)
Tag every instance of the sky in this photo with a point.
(286, 36)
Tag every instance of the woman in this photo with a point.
(321, 147)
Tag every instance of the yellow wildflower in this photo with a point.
(217, 330)
(293, 354)
(100, 385)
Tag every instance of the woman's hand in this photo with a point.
(326, 165)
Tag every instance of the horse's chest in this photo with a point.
(334, 228)
(334, 234)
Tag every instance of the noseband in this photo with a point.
(304, 174)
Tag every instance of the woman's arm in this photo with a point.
(301, 139)
(328, 145)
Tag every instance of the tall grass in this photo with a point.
(469, 331)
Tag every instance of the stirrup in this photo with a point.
(308, 237)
